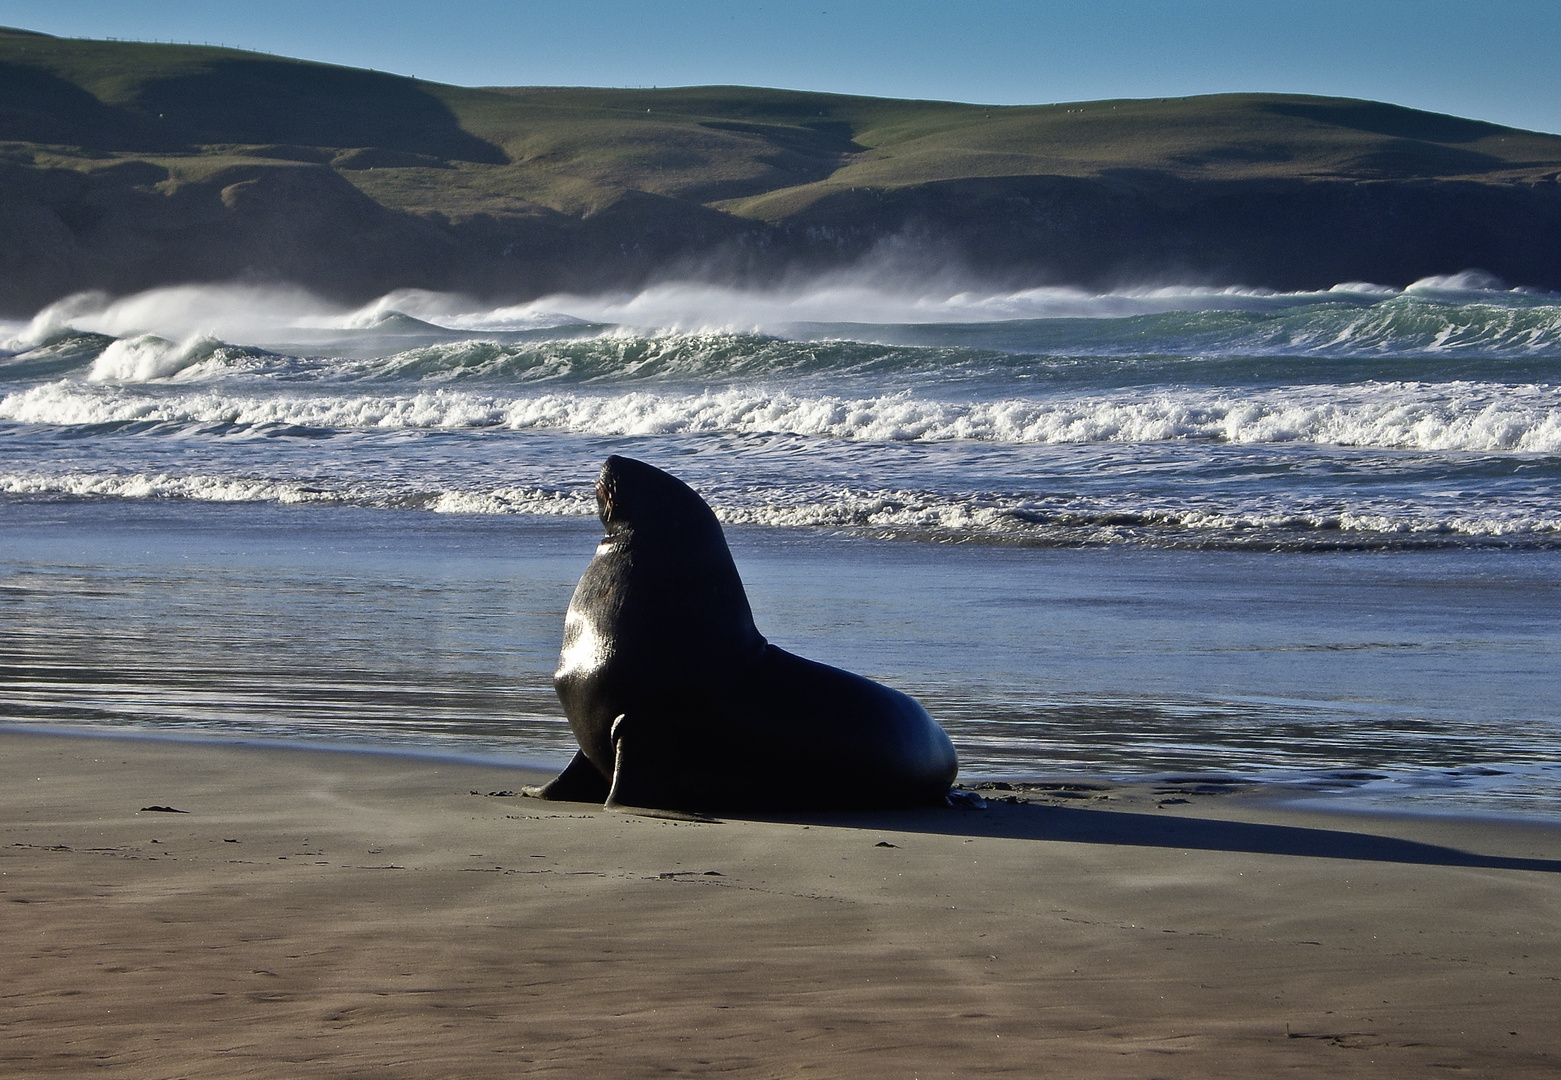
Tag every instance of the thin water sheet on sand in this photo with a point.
(1422, 677)
(219, 910)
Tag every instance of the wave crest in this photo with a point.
(1446, 416)
(275, 315)
(207, 488)
(147, 357)
(996, 517)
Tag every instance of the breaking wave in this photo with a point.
(1454, 314)
(1161, 415)
(909, 513)
(1459, 416)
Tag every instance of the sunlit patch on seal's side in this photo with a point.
(584, 649)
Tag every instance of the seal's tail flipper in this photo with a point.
(579, 782)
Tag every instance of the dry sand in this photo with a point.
(333, 914)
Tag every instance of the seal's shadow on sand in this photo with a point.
(1131, 829)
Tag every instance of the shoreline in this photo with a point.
(342, 913)
(1302, 794)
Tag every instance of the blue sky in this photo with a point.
(1496, 60)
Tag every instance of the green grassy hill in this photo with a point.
(125, 164)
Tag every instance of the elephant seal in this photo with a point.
(679, 703)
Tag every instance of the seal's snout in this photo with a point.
(621, 489)
(609, 501)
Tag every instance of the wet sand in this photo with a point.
(318, 913)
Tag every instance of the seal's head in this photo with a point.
(631, 495)
(665, 562)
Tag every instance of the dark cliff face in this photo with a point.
(127, 229)
(1152, 228)
(125, 166)
(123, 230)
(64, 232)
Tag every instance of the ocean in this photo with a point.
(1310, 539)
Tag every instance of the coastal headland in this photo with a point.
(128, 165)
(178, 908)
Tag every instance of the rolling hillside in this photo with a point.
(125, 165)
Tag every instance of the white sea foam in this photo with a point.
(517, 500)
(207, 488)
(147, 356)
(164, 486)
(924, 513)
(1458, 416)
(882, 511)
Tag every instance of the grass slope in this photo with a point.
(95, 132)
(763, 154)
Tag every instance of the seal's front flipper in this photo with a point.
(634, 790)
(628, 788)
(579, 782)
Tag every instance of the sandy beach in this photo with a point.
(320, 913)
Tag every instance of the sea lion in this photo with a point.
(679, 703)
